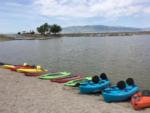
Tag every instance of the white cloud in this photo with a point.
(92, 8)
(147, 10)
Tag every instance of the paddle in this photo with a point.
(1, 63)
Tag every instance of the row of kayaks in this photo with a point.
(24, 68)
(122, 91)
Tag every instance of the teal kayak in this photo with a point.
(50, 76)
(121, 92)
(97, 84)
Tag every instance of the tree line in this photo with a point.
(48, 29)
(45, 29)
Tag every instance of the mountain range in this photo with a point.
(99, 28)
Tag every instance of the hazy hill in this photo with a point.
(98, 28)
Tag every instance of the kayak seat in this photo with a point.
(130, 81)
(34, 66)
(77, 85)
(146, 92)
(95, 79)
(121, 85)
(103, 76)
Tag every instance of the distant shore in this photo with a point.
(5, 38)
(49, 36)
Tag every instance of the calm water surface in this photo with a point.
(119, 57)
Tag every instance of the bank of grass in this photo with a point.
(5, 38)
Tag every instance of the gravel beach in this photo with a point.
(21, 94)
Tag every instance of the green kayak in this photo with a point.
(75, 83)
(55, 75)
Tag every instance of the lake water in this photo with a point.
(119, 57)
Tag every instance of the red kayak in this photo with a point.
(21, 67)
(35, 74)
(63, 80)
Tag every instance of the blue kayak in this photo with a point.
(96, 85)
(118, 94)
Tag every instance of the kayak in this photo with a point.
(77, 82)
(15, 67)
(22, 67)
(97, 84)
(50, 76)
(141, 100)
(66, 79)
(123, 91)
(7, 66)
(31, 70)
(34, 74)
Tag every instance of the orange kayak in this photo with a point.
(141, 100)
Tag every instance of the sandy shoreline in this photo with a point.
(21, 94)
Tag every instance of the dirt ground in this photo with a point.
(21, 94)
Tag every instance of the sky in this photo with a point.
(20, 15)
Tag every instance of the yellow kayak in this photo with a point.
(7, 66)
(36, 70)
(10, 66)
